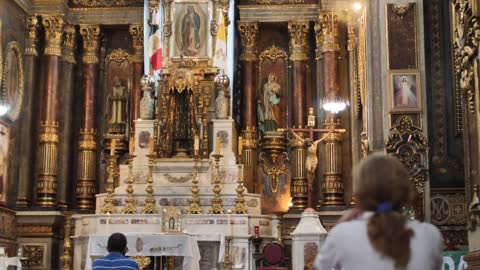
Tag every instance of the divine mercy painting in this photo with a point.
(405, 91)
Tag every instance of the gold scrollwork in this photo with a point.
(90, 34)
(53, 34)
(273, 53)
(250, 138)
(142, 261)
(49, 132)
(106, 3)
(465, 45)
(407, 142)
(248, 37)
(87, 140)
(298, 40)
(13, 48)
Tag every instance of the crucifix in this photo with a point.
(311, 161)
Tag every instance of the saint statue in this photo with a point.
(117, 100)
(405, 97)
(267, 109)
(190, 35)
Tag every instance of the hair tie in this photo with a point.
(384, 207)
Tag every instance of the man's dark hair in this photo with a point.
(117, 242)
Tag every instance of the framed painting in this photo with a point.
(4, 148)
(12, 82)
(404, 91)
(191, 29)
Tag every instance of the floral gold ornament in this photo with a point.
(329, 24)
(32, 36)
(90, 35)
(142, 261)
(136, 30)
(107, 3)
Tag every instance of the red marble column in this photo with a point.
(28, 122)
(298, 31)
(248, 35)
(46, 185)
(137, 39)
(86, 184)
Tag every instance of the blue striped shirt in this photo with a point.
(116, 261)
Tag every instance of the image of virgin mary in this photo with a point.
(190, 35)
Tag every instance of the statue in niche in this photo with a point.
(117, 100)
(267, 108)
(190, 32)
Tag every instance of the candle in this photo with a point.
(196, 145)
(112, 147)
(151, 146)
(256, 231)
(131, 145)
(240, 145)
(217, 146)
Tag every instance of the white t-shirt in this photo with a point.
(347, 247)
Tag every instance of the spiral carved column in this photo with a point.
(66, 114)
(332, 185)
(30, 58)
(86, 185)
(299, 57)
(136, 30)
(46, 186)
(248, 35)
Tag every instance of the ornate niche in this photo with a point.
(272, 90)
(407, 143)
(118, 86)
(185, 107)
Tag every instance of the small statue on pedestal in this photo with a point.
(147, 102)
(222, 102)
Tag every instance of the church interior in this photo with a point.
(222, 134)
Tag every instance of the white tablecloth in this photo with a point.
(182, 245)
(12, 261)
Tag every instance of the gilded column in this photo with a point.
(136, 31)
(248, 36)
(298, 31)
(332, 185)
(31, 56)
(86, 185)
(46, 185)
(66, 115)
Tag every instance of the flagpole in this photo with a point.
(230, 51)
(146, 32)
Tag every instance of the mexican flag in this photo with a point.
(220, 56)
(155, 38)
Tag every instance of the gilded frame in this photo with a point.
(4, 158)
(404, 91)
(13, 97)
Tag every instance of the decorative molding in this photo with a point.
(32, 36)
(35, 254)
(7, 230)
(448, 208)
(90, 34)
(329, 25)
(107, 3)
(136, 30)
(13, 47)
(69, 43)
(118, 55)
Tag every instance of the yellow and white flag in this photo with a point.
(220, 57)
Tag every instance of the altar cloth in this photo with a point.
(182, 245)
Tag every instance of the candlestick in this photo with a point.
(229, 225)
(240, 145)
(112, 147)
(108, 224)
(217, 146)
